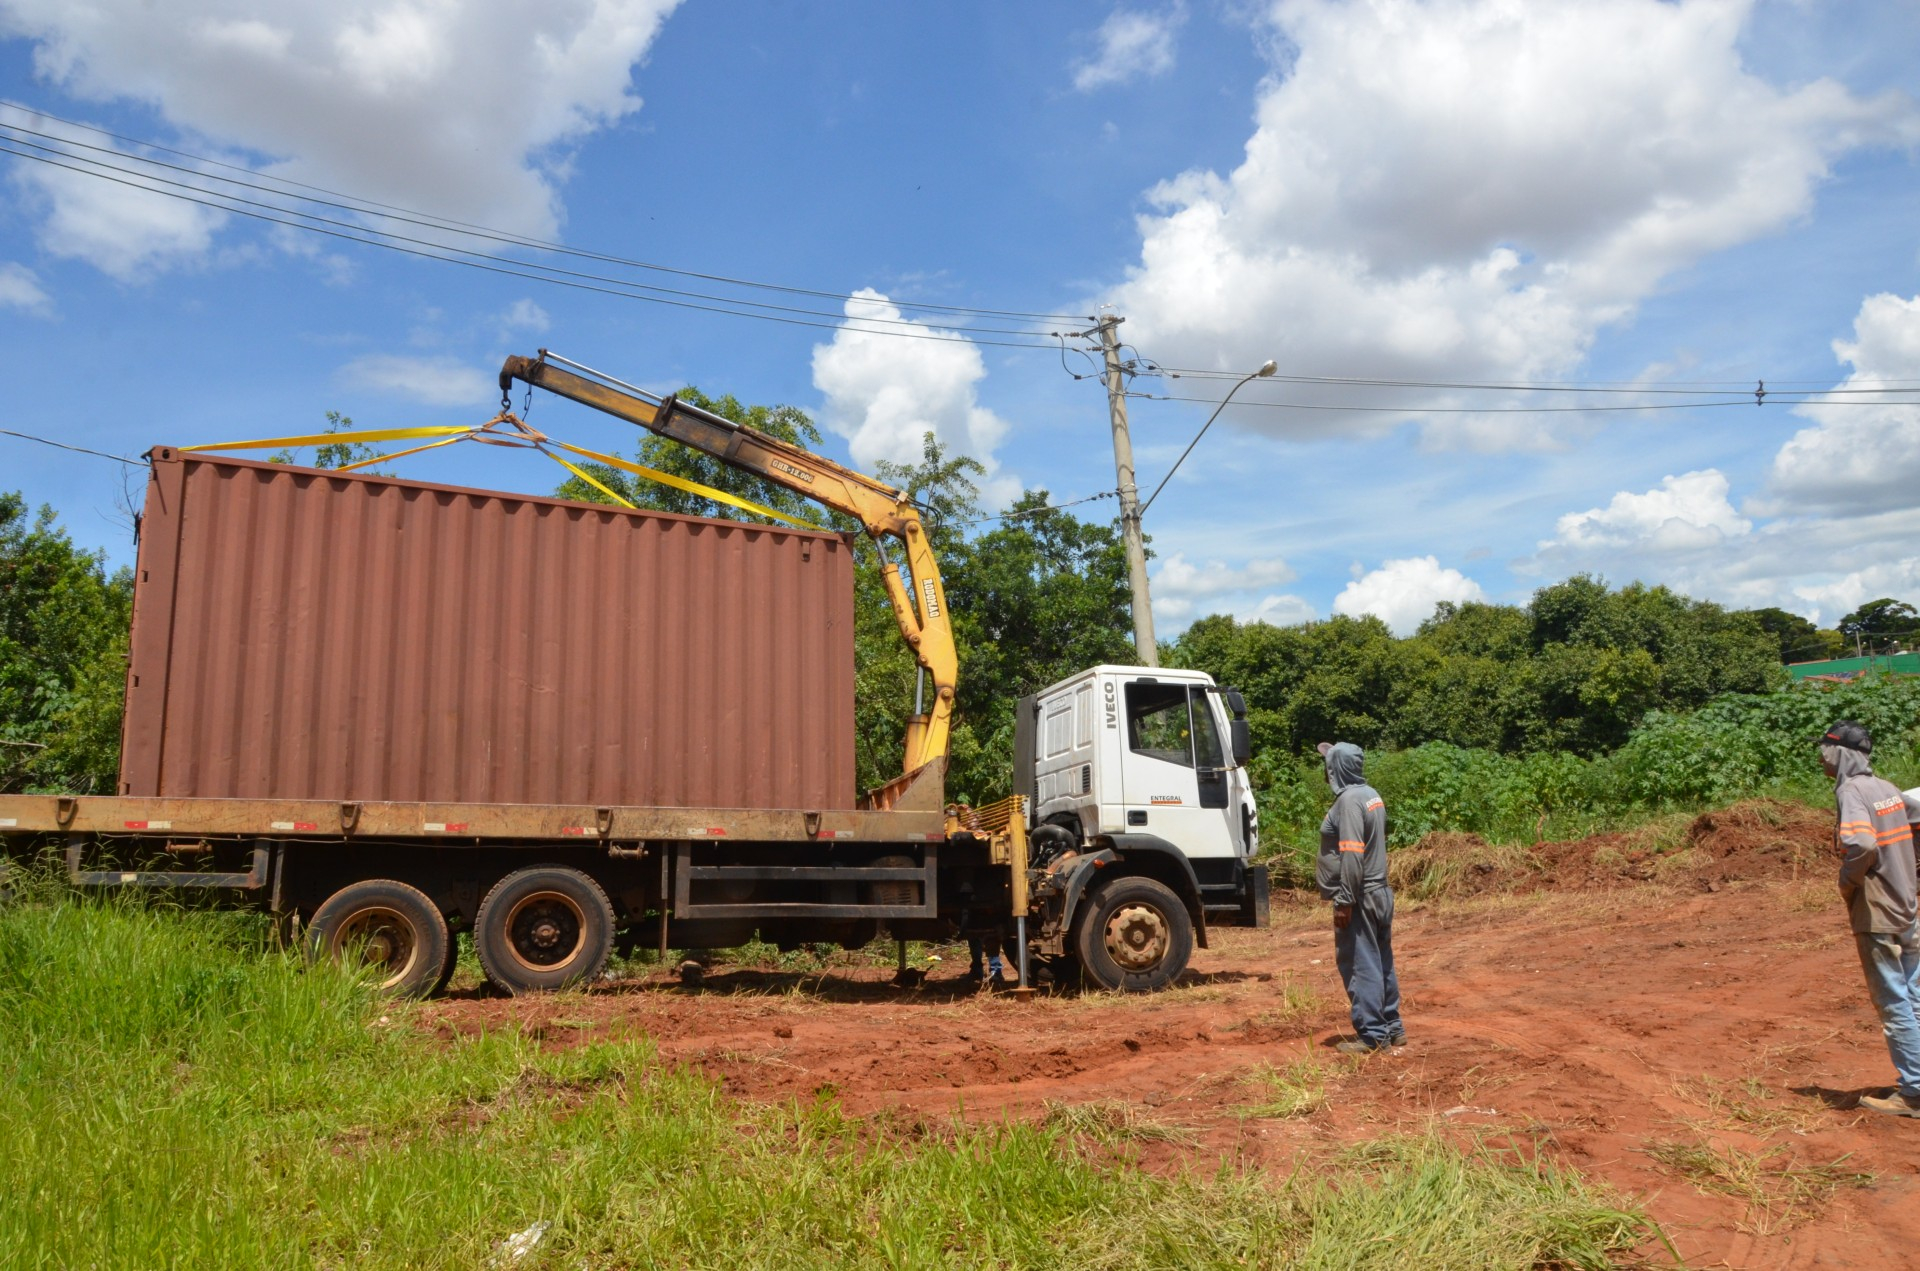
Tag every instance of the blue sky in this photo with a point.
(1669, 200)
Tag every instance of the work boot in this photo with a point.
(1357, 1046)
(1397, 1038)
(1895, 1104)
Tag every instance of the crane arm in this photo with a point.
(884, 512)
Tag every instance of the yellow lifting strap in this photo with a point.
(450, 433)
(679, 483)
(328, 439)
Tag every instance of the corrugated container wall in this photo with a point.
(305, 634)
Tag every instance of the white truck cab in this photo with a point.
(1144, 750)
(1142, 819)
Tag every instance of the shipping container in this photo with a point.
(304, 634)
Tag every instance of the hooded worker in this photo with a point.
(1875, 843)
(1352, 873)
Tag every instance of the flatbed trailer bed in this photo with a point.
(670, 877)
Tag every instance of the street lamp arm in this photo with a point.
(1264, 371)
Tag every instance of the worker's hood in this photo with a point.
(1845, 762)
(1344, 760)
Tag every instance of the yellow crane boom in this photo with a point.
(884, 512)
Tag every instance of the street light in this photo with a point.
(1266, 369)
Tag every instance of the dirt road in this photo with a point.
(1699, 1050)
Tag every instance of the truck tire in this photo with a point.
(386, 925)
(546, 927)
(1132, 935)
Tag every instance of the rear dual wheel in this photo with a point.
(390, 928)
(546, 927)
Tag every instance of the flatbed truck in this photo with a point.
(1130, 833)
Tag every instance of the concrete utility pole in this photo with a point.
(1143, 640)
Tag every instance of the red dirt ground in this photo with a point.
(1626, 1028)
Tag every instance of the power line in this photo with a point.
(392, 212)
(1745, 402)
(518, 269)
(438, 250)
(1767, 388)
(47, 441)
(1051, 507)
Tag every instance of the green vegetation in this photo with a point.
(63, 645)
(181, 1094)
(1739, 746)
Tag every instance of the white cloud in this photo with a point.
(1403, 593)
(20, 289)
(1280, 611)
(885, 393)
(436, 381)
(1863, 452)
(1183, 591)
(124, 232)
(1469, 189)
(1686, 513)
(454, 109)
(1686, 533)
(1133, 45)
(524, 315)
(1177, 577)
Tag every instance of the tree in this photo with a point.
(333, 454)
(1880, 625)
(1035, 600)
(1800, 640)
(63, 645)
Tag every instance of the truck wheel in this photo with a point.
(1134, 935)
(543, 928)
(386, 925)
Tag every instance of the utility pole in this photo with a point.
(1143, 641)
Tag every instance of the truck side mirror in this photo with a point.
(1242, 743)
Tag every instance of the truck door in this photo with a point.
(1174, 769)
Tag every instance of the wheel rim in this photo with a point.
(1137, 937)
(545, 930)
(380, 937)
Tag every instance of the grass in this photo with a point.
(1779, 1190)
(1295, 1090)
(1747, 1105)
(1112, 1123)
(182, 1094)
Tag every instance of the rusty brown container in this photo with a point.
(308, 634)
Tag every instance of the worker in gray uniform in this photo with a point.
(1352, 873)
(1875, 843)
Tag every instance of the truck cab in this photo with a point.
(1141, 772)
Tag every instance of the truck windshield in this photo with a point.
(1158, 724)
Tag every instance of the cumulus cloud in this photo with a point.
(1463, 189)
(1684, 513)
(1862, 453)
(125, 232)
(1403, 593)
(1686, 533)
(1133, 45)
(454, 109)
(436, 381)
(884, 393)
(1178, 577)
(20, 289)
(1183, 591)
